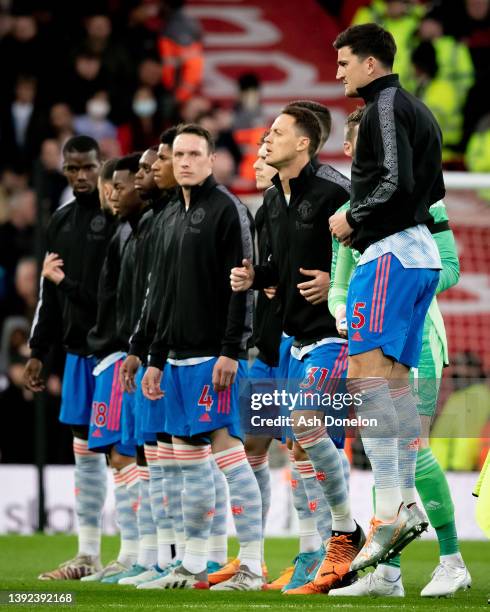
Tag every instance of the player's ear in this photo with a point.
(347, 148)
(303, 143)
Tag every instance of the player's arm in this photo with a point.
(446, 245)
(343, 264)
(236, 245)
(45, 331)
(388, 131)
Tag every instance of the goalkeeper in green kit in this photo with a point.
(451, 574)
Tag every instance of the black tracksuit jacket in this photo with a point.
(267, 314)
(300, 238)
(199, 313)
(148, 291)
(105, 337)
(80, 233)
(396, 171)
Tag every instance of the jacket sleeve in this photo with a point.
(77, 294)
(387, 128)
(236, 244)
(446, 245)
(144, 330)
(46, 328)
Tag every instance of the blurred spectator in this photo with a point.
(248, 110)
(85, 80)
(193, 108)
(144, 25)
(440, 95)
(26, 282)
(218, 122)
(145, 125)
(455, 436)
(48, 180)
(477, 156)
(22, 126)
(95, 123)
(181, 52)
(453, 58)
(61, 125)
(22, 52)
(116, 65)
(401, 18)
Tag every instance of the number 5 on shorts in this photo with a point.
(357, 314)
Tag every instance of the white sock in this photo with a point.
(196, 555)
(128, 552)
(309, 538)
(218, 548)
(147, 551)
(179, 545)
(250, 555)
(89, 541)
(409, 495)
(456, 560)
(387, 503)
(388, 572)
(165, 539)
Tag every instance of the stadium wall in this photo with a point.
(18, 502)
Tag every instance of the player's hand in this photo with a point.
(127, 372)
(270, 292)
(224, 373)
(341, 321)
(315, 291)
(339, 226)
(52, 268)
(242, 278)
(32, 375)
(150, 384)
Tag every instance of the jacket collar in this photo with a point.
(88, 200)
(199, 191)
(298, 184)
(368, 92)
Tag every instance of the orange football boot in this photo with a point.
(225, 573)
(341, 551)
(282, 581)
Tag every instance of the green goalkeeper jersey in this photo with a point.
(344, 261)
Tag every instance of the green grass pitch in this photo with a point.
(22, 558)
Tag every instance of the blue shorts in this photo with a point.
(143, 411)
(105, 423)
(77, 390)
(128, 418)
(192, 405)
(386, 308)
(263, 378)
(323, 378)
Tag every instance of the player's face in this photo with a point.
(124, 198)
(105, 191)
(192, 161)
(352, 71)
(144, 180)
(263, 172)
(282, 142)
(82, 171)
(163, 171)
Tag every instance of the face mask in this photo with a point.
(98, 109)
(145, 108)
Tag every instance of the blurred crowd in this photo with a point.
(122, 71)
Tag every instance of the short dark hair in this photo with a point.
(108, 168)
(308, 124)
(263, 137)
(352, 121)
(369, 39)
(425, 59)
(322, 114)
(81, 144)
(193, 128)
(167, 137)
(129, 162)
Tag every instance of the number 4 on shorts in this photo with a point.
(205, 399)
